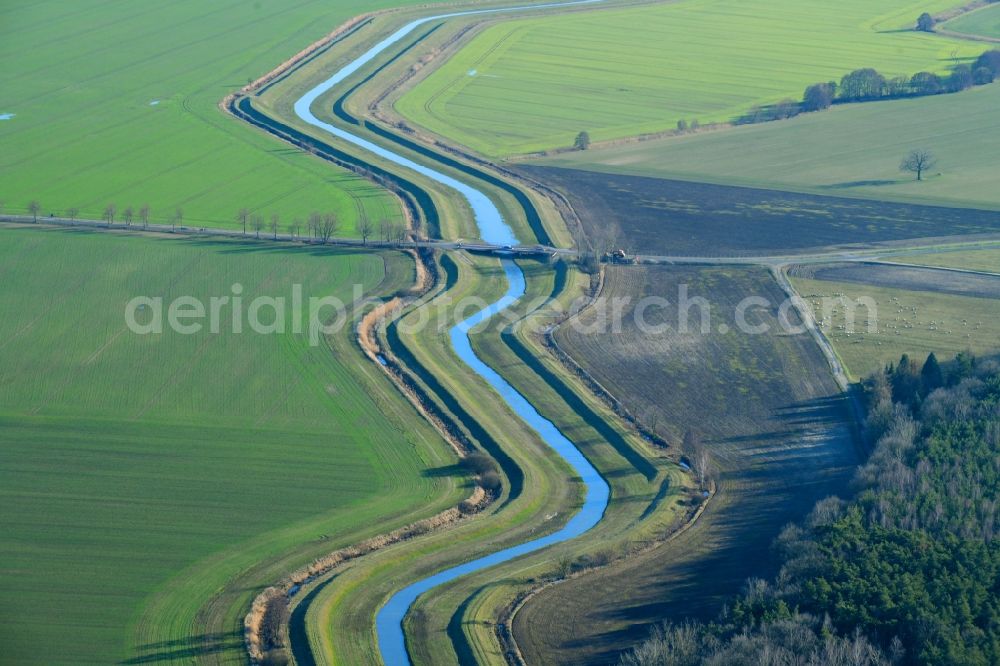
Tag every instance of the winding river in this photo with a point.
(493, 229)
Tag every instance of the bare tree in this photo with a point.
(177, 218)
(385, 230)
(243, 215)
(328, 227)
(275, 221)
(33, 208)
(399, 233)
(295, 228)
(698, 456)
(72, 213)
(257, 222)
(127, 214)
(365, 228)
(144, 215)
(918, 161)
(109, 213)
(315, 222)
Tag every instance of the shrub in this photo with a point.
(862, 84)
(926, 83)
(491, 481)
(479, 463)
(925, 23)
(960, 79)
(990, 60)
(982, 76)
(589, 263)
(818, 97)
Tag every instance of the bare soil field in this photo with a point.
(767, 409)
(670, 217)
(905, 277)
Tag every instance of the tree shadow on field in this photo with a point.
(250, 245)
(187, 648)
(861, 183)
(443, 471)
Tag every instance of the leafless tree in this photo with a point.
(257, 221)
(33, 208)
(385, 230)
(275, 221)
(365, 228)
(328, 227)
(127, 214)
(315, 222)
(177, 218)
(243, 215)
(918, 161)
(698, 456)
(72, 213)
(399, 233)
(109, 213)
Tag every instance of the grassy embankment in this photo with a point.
(326, 612)
(531, 85)
(770, 415)
(152, 483)
(352, 103)
(455, 623)
(118, 104)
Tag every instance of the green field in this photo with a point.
(981, 23)
(852, 150)
(987, 261)
(82, 80)
(909, 322)
(532, 85)
(143, 476)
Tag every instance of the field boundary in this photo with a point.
(944, 17)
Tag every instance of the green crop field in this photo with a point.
(981, 23)
(141, 475)
(853, 150)
(532, 85)
(908, 321)
(973, 260)
(117, 103)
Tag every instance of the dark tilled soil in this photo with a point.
(672, 218)
(770, 413)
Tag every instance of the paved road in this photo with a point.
(874, 254)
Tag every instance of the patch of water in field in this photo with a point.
(492, 229)
(155, 102)
(7, 116)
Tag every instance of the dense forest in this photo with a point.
(906, 571)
